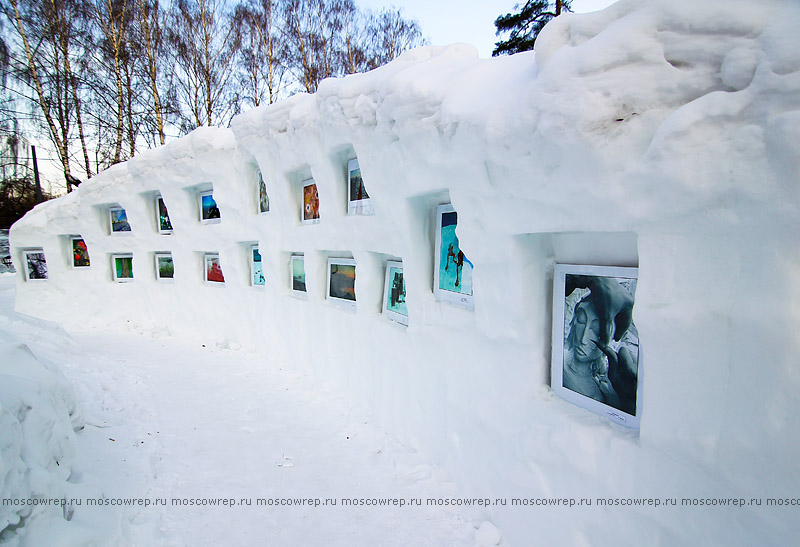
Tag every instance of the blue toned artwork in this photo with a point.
(455, 271)
(210, 209)
(397, 292)
(119, 220)
(258, 270)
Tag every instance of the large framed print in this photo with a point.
(34, 265)
(165, 267)
(597, 363)
(212, 268)
(394, 293)
(209, 212)
(358, 201)
(163, 223)
(297, 270)
(256, 268)
(452, 271)
(80, 253)
(341, 289)
(118, 221)
(122, 267)
(263, 197)
(310, 213)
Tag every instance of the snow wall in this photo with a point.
(660, 134)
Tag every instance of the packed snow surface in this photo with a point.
(660, 134)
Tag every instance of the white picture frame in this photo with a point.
(394, 293)
(118, 221)
(452, 271)
(163, 222)
(79, 252)
(208, 209)
(212, 269)
(257, 279)
(596, 358)
(341, 282)
(122, 267)
(164, 267)
(309, 210)
(358, 200)
(34, 265)
(297, 276)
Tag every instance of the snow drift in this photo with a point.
(660, 134)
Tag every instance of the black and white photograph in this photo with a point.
(35, 265)
(596, 358)
(358, 200)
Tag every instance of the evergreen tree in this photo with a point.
(526, 25)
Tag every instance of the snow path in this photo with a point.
(168, 418)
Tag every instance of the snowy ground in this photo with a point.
(168, 419)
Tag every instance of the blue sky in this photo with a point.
(472, 21)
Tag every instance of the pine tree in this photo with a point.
(526, 25)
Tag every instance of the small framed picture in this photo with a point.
(452, 271)
(297, 269)
(34, 265)
(256, 268)
(118, 221)
(213, 269)
(342, 282)
(358, 201)
(163, 223)
(165, 267)
(263, 197)
(394, 293)
(310, 213)
(122, 267)
(80, 253)
(209, 212)
(596, 359)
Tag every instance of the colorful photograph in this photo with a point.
(123, 268)
(455, 270)
(214, 269)
(263, 198)
(596, 355)
(35, 265)
(165, 267)
(208, 207)
(80, 254)
(119, 220)
(164, 224)
(342, 279)
(358, 202)
(397, 292)
(256, 267)
(310, 202)
(298, 274)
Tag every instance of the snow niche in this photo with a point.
(657, 134)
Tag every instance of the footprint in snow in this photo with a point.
(287, 462)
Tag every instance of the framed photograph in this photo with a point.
(165, 267)
(596, 359)
(209, 212)
(263, 197)
(213, 269)
(80, 254)
(342, 282)
(394, 293)
(358, 201)
(297, 269)
(256, 268)
(163, 222)
(452, 271)
(34, 265)
(310, 203)
(118, 221)
(122, 267)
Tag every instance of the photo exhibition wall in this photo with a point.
(551, 282)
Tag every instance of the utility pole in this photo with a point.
(36, 176)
